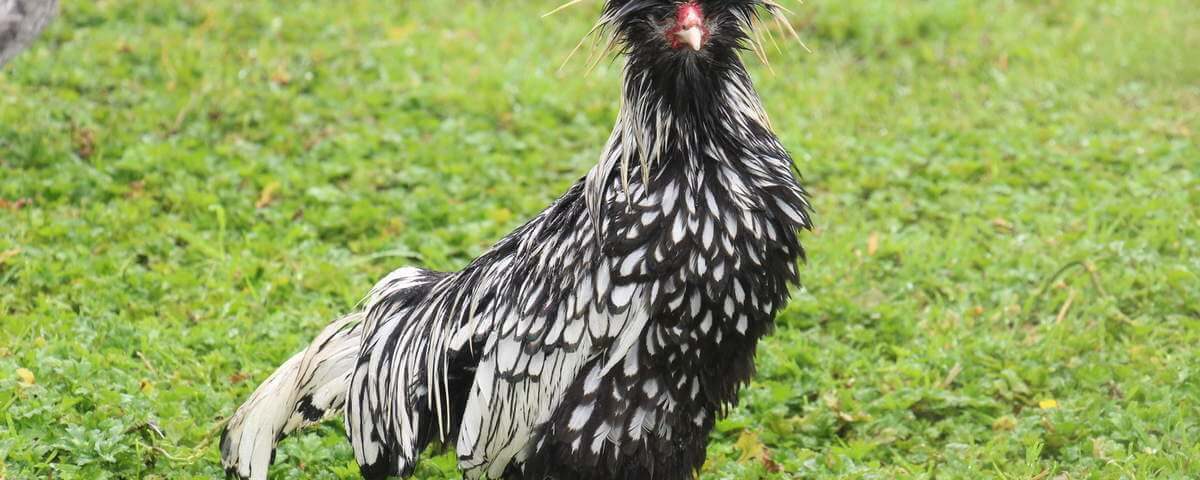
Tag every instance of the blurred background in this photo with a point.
(1004, 281)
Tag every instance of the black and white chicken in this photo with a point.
(20, 23)
(603, 338)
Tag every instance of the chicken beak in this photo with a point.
(692, 36)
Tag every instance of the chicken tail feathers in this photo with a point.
(307, 388)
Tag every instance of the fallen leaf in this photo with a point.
(771, 465)
(1048, 404)
(7, 254)
(1002, 62)
(1114, 391)
(25, 375)
(872, 244)
(85, 142)
(1002, 225)
(1004, 424)
(281, 77)
(752, 449)
(267, 195)
(136, 189)
(15, 205)
(832, 401)
(238, 377)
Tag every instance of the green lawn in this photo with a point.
(1005, 281)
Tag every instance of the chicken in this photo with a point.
(20, 23)
(605, 337)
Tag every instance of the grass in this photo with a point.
(1004, 284)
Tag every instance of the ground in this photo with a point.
(1004, 280)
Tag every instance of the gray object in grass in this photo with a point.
(20, 23)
